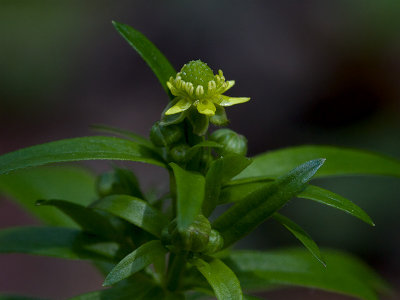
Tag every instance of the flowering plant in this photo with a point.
(167, 246)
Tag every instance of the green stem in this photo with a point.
(175, 270)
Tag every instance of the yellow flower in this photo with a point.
(197, 85)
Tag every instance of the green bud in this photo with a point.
(215, 242)
(179, 153)
(163, 136)
(232, 142)
(195, 238)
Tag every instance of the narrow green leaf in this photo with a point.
(190, 188)
(88, 219)
(138, 287)
(70, 183)
(329, 198)
(18, 297)
(223, 281)
(220, 171)
(124, 133)
(237, 192)
(135, 261)
(340, 161)
(258, 206)
(84, 148)
(135, 211)
(57, 242)
(344, 273)
(301, 235)
(158, 63)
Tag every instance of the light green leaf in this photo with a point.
(223, 281)
(329, 198)
(339, 161)
(58, 242)
(237, 192)
(344, 273)
(124, 133)
(84, 148)
(301, 235)
(135, 261)
(190, 188)
(88, 219)
(70, 183)
(158, 63)
(135, 211)
(258, 206)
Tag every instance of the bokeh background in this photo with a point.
(318, 72)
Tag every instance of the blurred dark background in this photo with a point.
(317, 72)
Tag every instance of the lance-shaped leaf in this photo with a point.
(340, 161)
(158, 63)
(135, 261)
(88, 219)
(301, 235)
(70, 183)
(135, 211)
(219, 172)
(258, 206)
(18, 297)
(57, 242)
(124, 133)
(223, 281)
(344, 273)
(84, 148)
(190, 195)
(235, 192)
(329, 198)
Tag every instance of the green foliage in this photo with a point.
(165, 247)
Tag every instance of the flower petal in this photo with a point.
(228, 101)
(180, 106)
(206, 107)
(173, 89)
(229, 84)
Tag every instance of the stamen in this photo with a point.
(212, 85)
(199, 90)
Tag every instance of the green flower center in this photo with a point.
(197, 73)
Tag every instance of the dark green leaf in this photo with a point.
(220, 171)
(135, 211)
(258, 206)
(329, 198)
(88, 219)
(16, 297)
(135, 261)
(138, 288)
(223, 281)
(301, 235)
(237, 192)
(84, 148)
(124, 133)
(70, 183)
(344, 274)
(190, 188)
(56, 241)
(158, 63)
(340, 161)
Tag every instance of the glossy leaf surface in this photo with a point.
(57, 242)
(76, 149)
(190, 195)
(329, 198)
(135, 261)
(135, 211)
(70, 183)
(258, 206)
(301, 235)
(158, 63)
(339, 161)
(223, 281)
(344, 273)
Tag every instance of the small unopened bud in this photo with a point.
(232, 142)
(163, 136)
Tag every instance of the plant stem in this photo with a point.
(175, 270)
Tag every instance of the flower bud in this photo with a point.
(120, 181)
(232, 142)
(195, 238)
(215, 242)
(163, 136)
(179, 153)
